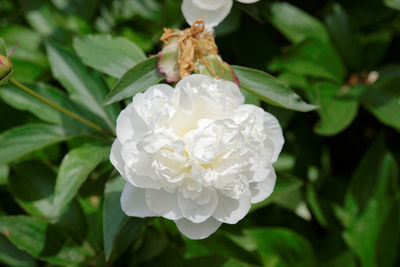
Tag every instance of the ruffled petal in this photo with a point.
(199, 209)
(262, 190)
(116, 159)
(129, 124)
(141, 181)
(259, 125)
(198, 230)
(163, 203)
(133, 202)
(212, 18)
(151, 106)
(274, 130)
(232, 210)
(208, 98)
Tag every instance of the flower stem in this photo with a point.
(57, 107)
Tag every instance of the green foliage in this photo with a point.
(269, 89)
(136, 80)
(336, 201)
(113, 56)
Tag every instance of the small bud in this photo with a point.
(5, 67)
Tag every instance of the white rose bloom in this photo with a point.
(213, 11)
(195, 154)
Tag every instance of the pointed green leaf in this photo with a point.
(74, 169)
(113, 56)
(296, 24)
(41, 240)
(345, 37)
(21, 100)
(12, 256)
(382, 99)
(336, 114)
(22, 140)
(270, 89)
(282, 247)
(119, 231)
(113, 217)
(395, 4)
(136, 80)
(372, 206)
(312, 58)
(32, 185)
(83, 87)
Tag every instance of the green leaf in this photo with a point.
(113, 217)
(113, 56)
(282, 247)
(4, 170)
(220, 243)
(40, 239)
(295, 24)
(136, 80)
(395, 4)
(378, 162)
(345, 37)
(336, 114)
(22, 140)
(382, 98)
(294, 80)
(119, 231)
(346, 258)
(373, 209)
(286, 185)
(270, 89)
(3, 47)
(83, 87)
(21, 100)
(74, 169)
(236, 263)
(12, 256)
(32, 185)
(312, 58)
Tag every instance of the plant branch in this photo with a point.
(59, 108)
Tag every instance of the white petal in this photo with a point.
(200, 209)
(151, 105)
(248, 1)
(163, 203)
(258, 124)
(232, 210)
(133, 202)
(116, 159)
(274, 130)
(207, 98)
(198, 230)
(212, 18)
(129, 124)
(209, 4)
(141, 181)
(262, 190)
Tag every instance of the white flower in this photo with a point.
(195, 154)
(213, 11)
